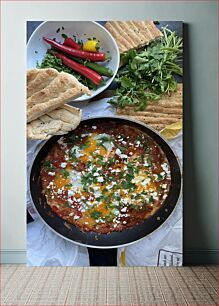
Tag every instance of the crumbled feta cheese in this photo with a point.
(70, 193)
(78, 154)
(124, 209)
(146, 181)
(63, 165)
(165, 167)
(94, 127)
(118, 152)
(100, 179)
(59, 191)
(154, 195)
(51, 173)
(76, 217)
(124, 156)
(124, 222)
(116, 171)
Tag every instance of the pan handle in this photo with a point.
(101, 257)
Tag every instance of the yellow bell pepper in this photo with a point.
(91, 46)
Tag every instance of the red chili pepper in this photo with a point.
(87, 72)
(94, 57)
(71, 43)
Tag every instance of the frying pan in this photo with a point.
(114, 239)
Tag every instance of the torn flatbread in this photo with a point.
(58, 122)
(48, 89)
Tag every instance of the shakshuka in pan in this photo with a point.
(105, 177)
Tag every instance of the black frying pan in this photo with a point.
(115, 239)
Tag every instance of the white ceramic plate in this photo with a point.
(36, 47)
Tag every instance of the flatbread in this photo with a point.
(58, 122)
(133, 34)
(48, 89)
(158, 114)
(37, 79)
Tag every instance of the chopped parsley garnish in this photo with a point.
(95, 214)
(68, 185)
(64, 173)
(72, 156)
(72, 139)
(84, 145)
(150, 200)
(121, 148)
(116, 197)
(48, 165)
(128, 185)
(159, 177)
(129, 177)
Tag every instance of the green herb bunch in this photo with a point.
(149, 73)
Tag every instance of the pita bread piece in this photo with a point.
(58, 122)
(53, 91)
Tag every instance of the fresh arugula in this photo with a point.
(149, 73)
